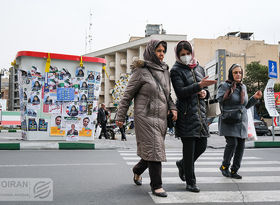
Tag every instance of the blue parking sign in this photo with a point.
(272, 69)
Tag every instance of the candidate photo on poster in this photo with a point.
(48, 100)
(91, 77)
(83, 97)
(72, 110)
(87, 127)
(80, 72)
(98, 77)
(56, 126)
(83, 85)
(43, 125)
(34, 100)
(32, 124)
(72, 131)
(83, 108)
(36, 85)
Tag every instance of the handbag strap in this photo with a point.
(158, 83)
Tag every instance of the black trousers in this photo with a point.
(122, 130)
(154, 172)
(193, 147)
(235, 146)
(103, 130)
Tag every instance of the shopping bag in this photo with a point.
(213, 109)
(252, 135)
(98, 131)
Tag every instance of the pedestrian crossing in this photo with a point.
(260, 183)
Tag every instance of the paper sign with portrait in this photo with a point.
(57, 128)
(87, 127)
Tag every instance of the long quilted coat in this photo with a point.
(150, 108)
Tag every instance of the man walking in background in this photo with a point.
(102, 120)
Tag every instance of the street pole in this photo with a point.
(0, 84)
(273, 129)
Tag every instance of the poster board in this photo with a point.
(57, 103)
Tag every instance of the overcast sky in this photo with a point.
(59, 26)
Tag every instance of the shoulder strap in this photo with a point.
(158, 83)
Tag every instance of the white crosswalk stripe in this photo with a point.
(255, 171)
(201, 158)
(217, 163)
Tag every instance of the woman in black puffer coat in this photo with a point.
(189, 82)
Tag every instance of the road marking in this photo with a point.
(215, 169)
(220, 180)
(219, 197)
(54, 165)
(170, 151)
(217, 163)
(176, 154)
(199, 159)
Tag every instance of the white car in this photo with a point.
(213, 127)
(276, 130)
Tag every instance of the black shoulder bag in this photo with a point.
(231, 116)
(170, 122)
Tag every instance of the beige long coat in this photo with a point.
(150, 108)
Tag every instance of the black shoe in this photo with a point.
(234, 175)
(137, 182)
(225, 171)
(181, 171)
(193, 188)
(160, 194)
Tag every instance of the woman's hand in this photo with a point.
(202, 94)
(258, 95)
(119, 124)
(204, 82)
(174, 112)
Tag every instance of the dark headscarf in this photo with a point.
(233, 83)
(187, 46)
(149, 53)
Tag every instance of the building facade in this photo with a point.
(14, 101)
(237, 47)
(120, 57)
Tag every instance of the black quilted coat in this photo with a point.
(191, 120)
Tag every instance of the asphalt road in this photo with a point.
(104, 177)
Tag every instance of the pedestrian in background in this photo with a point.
(123, 128)
(102, 117)
(189, 82)
(150, 88)
(232, 96)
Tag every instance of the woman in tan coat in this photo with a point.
(149, 86)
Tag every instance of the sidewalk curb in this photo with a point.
(46, 145)
(267, 144)
(10, 130)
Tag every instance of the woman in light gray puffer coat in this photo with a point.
(232, 95)
(151, 105)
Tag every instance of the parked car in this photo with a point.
(276, 130)
(213, 126)
(261, 128)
